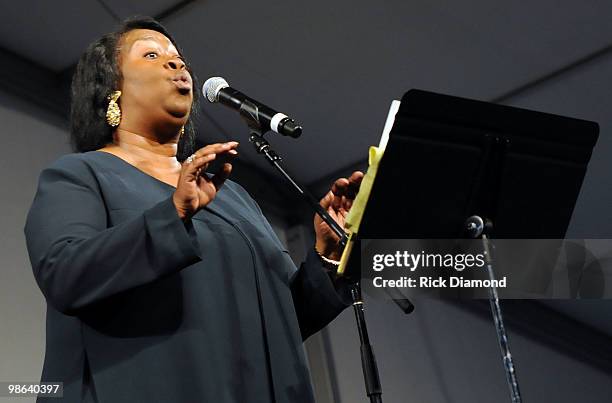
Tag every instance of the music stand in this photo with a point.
(449, 159)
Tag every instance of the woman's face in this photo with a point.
(156, 86)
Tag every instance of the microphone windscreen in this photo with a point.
(212, 86)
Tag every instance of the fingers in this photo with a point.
(343, 192)
(339, 189)
(205, 155)
(226, 169)
(192, 169)
(334, 198)
(348, 203)
(326, 200)
(348, 187)
(356, 177)
(216, 148)
(219, 178)
(354, 183)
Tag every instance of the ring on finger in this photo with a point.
(190, 159)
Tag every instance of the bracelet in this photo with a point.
(332, 262)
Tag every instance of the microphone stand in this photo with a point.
(249, 113)
(477, 227)
(263, 147)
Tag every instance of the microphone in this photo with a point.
(216, 89)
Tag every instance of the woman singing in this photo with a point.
(165, 283)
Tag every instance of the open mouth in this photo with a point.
(183, 83)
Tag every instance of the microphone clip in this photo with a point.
(249, 112)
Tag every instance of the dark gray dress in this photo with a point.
(142, 307)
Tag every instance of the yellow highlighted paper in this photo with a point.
(353, 218)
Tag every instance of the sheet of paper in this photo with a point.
(375, 154)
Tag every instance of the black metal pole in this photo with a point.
(500, 329)
(368, 360)
(477, 227)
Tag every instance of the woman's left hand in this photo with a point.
(337, 202)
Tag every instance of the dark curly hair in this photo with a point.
(97, 75)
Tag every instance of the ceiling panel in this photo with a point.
(55, 33)
(584, 93)
(52, 34)
(128, 8)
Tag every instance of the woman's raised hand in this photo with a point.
(195, 189)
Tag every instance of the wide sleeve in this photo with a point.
(78, 261)
(318, 297)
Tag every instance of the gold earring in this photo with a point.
(113, 112)
(182, 130)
